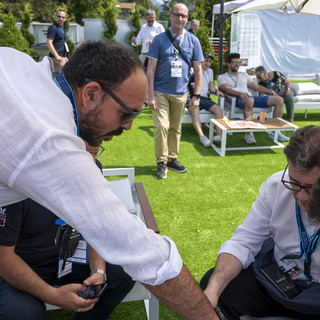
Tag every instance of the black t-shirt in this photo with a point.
(32, 229)
(58, 37)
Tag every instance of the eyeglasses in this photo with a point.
(150, 21)
(97, 153)
(292, 185)
(236, 63)
(132, 114)
(179, 15)
(61, 17)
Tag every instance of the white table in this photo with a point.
(275, 125)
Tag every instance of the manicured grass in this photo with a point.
(200, 209)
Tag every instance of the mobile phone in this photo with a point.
(92, 292)
(280, 280)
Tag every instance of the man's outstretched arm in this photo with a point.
(183, 295)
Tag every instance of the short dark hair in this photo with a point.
(314, 202)
(105, 62)
(234, 55)
(303, 150)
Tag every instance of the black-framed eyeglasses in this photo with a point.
(97, 153)
(292, 185)
(179, 15)
(236, 63)
(132, 114)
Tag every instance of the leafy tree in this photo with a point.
(10, 36)
(81, 9)
(26, 19)
(110, 15)
(44, 10)
(136, 16)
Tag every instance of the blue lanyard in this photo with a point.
(64, 86)
(307, 244)
(269, 82)
(64, 34)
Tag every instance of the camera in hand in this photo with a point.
(92, 292)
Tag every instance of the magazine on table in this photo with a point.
(241, 124)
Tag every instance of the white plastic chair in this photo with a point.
(134, 197)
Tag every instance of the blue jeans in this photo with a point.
(18, 305)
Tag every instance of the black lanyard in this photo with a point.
(307, 244)
(64, 86)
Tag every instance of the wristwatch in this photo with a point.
(197, 96)
(99, 271)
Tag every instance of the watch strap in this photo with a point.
(101, 272)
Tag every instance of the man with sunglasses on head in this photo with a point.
(236, 84)
(278, 230)
(170, 58)
(99, 93)
(147, 33)
(57, 40)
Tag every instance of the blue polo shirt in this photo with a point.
(59, 38)
(163, 51)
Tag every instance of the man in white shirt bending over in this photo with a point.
(146, 34)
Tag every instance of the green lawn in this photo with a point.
(200, 209)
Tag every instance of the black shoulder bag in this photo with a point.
(175, 44)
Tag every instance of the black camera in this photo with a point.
(68, 239)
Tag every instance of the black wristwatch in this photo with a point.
(197, 96)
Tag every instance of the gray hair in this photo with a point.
(150, 13)
(194, 21)
(303, 150)
(260, 71)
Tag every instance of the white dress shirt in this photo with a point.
(272, 215)
(42, 158)
(147, 33)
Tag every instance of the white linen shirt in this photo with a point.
(42, 158)
(272, 215)
(147, 33)
(240, 81)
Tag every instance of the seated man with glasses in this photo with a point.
(236, 84)
(278, 229)
(27, 241)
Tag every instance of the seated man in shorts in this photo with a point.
(236, 84)
(206, 103)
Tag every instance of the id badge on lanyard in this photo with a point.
(176, 69)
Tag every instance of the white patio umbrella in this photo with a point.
(305, 6)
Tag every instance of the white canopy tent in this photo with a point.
(278, 39)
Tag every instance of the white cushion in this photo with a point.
(122, 189)
(307, 98)
(305, 88)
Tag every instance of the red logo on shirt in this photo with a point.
(3, 216)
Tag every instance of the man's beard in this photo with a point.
(234, 69)
(89, 128)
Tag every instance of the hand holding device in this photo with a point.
(92, 291)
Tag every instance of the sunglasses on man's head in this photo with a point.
(132, 114)
(236, 63)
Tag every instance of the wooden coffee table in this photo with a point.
(275, 125)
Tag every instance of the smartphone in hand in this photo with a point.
(92, 292)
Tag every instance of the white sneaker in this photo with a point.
(249, 138)
(217, 138)
(205, 141)
(281, 136)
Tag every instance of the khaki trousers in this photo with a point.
(167, 125)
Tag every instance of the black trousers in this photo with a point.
(246, 296)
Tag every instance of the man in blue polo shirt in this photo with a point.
(57, 40)
(168, 76)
